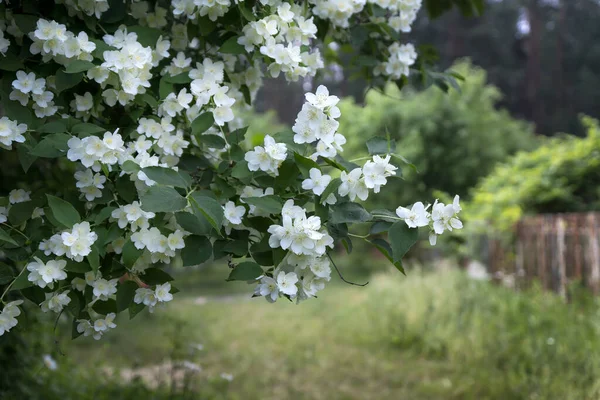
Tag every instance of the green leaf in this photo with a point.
(135, 309)
(237, 136)
(231, 46)
(162, 199)
(212, 141)
(246, 92)
(240, 171)
(331, 188)
(26, 23)
(270, 203)
(94, 259)
(5, 237)
(79, 267)
(209, 208)
(6, 274)
(22, 281)
(130, 254)
(52, 146)
(63, 211)
(87, 129)
(247, 13)
(146, 36)
(117, 11)
(168, 176)
(10, 62)
(202, 123)
(380, 227)
(305, 164)
(156, 276)
(348, 212)
(196, 224)
(165, 88)
(17, 112)
(184, 77)
(246, 271)
(386, 250)
(104, 214)
(66, 81)
(105, 307)
(380, 145)
(53, 127)
(238, 248)
(130, 167)
(25, 158)
(78, 66)
(402, 238)
(20, 212)
(197, 250)
(125, 295)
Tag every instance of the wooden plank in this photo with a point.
(561, 254)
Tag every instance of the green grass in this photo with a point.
(425, 336)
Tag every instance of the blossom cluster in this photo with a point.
(74, 244)
(27, 87)
(150, 298)
(11, 131)
(280, 36)
(8, 316)
(316, 124)
(443, 217)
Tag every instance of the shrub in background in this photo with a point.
(563, 175)
(453, 139)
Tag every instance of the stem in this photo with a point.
(340, 274)
(10, 285)
(358, 236)
(387, 216)
(360, 159)
(16, 230)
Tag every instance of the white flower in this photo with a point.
(322, 100)
(268, 289)
(233, 213)
(145, 296)
(267, 158)
(25, 82)
(8, 316)
(416, 217)
(45, 274)
(287, 283)
(11, 132)
(175, 240)
(444, 218)
(222, 115)
(317, 182)
(162, 292)
(18, 196)
(353, 185)
(103, 289)
(55, 302)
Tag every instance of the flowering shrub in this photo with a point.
(138, 100)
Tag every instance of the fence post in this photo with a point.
(594, 252)
(562, 262)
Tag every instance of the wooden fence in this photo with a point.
(554, 249)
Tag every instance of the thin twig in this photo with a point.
(340, 274)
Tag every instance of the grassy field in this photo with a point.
(425, 336)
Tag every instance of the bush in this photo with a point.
(453, 139)
(561, 176)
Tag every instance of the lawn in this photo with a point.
(425, 336)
